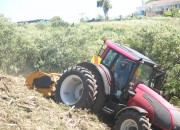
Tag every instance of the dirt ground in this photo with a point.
(23, 109)
(178, 108)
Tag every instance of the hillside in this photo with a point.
(23, 109)
(55, 46)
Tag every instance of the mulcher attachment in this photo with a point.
(43, 82)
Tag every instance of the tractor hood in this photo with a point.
(165, 114)
(158, 97)
(176, 115)
(160, 111)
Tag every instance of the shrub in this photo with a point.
(172, 13)
(32, 47)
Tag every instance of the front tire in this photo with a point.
(132, 120)
(76, 87)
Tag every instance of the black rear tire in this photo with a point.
(101, 98)
(76, 81)
(132, 120)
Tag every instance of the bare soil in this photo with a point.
(178, 108)
(23, 109)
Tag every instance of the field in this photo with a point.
(55, 46)
(28, 110)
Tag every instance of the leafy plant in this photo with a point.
(57, 21)
(105, 5)
(175, 101)
(53, 47)
(175, 12)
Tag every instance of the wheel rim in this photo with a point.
(129, 124)
(71, 90)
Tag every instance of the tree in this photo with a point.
(58, 21)
(105, 4)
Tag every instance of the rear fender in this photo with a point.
(102, 71)
(138, 109)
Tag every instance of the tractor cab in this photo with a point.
(129, 68)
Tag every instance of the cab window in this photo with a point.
(108, 59)
(122, 70)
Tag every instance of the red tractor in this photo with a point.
(122, 83)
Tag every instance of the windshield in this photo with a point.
(143, 74)
(120, 66)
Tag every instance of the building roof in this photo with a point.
(34, 21)
(160, 3)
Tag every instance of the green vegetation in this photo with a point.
(172, 13)
(56, 45)
(105, 5)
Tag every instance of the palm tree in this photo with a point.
(105, 4)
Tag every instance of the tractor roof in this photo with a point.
(128, 52)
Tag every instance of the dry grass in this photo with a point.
(22, 109)
(178, 108)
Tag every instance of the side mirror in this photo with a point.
(160, 79)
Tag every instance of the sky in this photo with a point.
(68, 10)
